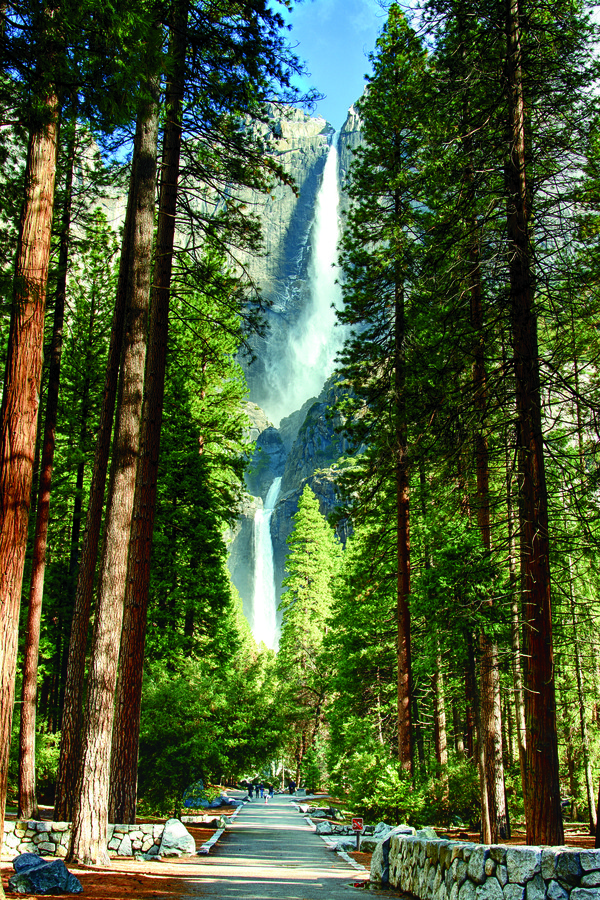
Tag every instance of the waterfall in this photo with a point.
(307, 360)
(264, 600)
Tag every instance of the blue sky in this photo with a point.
(334, 37)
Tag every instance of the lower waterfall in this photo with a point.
(264, 600)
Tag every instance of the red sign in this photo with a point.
(357, 824)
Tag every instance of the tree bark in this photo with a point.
(70, 747)
(542, 798)
(123, 780)
(27, 799)
(90, 814)
(405, 738)
(20, 402)
(585, 740)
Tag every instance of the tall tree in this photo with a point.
(306, 602)
(89, 836)
(379, 264)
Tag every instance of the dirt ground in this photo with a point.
(128, 878)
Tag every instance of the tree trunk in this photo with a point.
(20, 401)
(403, 535)
(90, 814)
(27, 800)
(585, 741)
(439, 722)
(70, 747)
(515, 629)
(542, 797)
(123, 780)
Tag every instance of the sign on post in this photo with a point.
(357, 826)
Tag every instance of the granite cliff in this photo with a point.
(304, 447)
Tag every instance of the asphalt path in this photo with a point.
(270, 853)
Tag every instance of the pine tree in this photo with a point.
(311, 565)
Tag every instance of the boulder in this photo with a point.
(176, 840)
(34, 875)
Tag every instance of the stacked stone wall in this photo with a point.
(52, 839)
(452, 870)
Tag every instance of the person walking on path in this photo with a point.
(250, 790)
(271, 853)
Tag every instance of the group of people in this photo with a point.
(261, 791)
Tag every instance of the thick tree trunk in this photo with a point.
(123, 780)
(90, 814)
(542, 798)
(70, 747)
(20, 401)
(27, 798)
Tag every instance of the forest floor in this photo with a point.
(130, 879)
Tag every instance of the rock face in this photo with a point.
(301, 144)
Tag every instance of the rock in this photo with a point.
(584, 894)
(176, 840)
(535, 889)
(523, 863)
(27, 861)
(555, 891)
(368, 844)
(491, 890)
(590, 860)
(514, 892)
(43, 878)
(126, 848)
(345, 844)
(324, 828)
(476, 870)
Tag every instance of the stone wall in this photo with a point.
(451, 870)
(52, 839)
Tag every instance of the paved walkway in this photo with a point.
(271, 853)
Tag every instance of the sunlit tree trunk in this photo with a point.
(70, 746)
(20, 402)
(90, 813)
(27, 798)
(123, 780)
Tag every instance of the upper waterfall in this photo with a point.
(299, 370)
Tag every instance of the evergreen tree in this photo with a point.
(302, 669)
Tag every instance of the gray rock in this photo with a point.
(26, 861)
(381, 830)
(345, 844)
(502, 875)
(535, 889)
(523, 863)
(477, 862)
(368, 844)
(324, 828)
(591, 879)
(590, 860)
(514, 892)
(568, 867)
(126, 848)
(491, 890)
(377, 863)
(555, 891)
(428, 832)
(584, 894)
(176, 840)
(45, 878)
(467, 891)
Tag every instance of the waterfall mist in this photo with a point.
(264, 600)
(299, 369)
